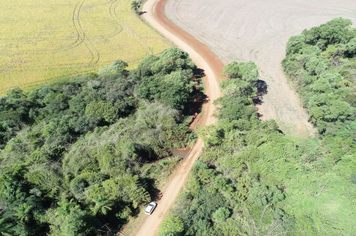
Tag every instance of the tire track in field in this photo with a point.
(75, 19)
(95, 55)
(128, 29)
(78, 41)
(117, 25)
(80, 37)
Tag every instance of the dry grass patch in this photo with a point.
(43, 41)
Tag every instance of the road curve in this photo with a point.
(205, 59)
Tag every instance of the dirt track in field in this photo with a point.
(258, 30)
(212, 67)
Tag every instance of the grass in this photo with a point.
(42, 41)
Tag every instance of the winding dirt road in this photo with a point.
(212, 67)
(239, 30)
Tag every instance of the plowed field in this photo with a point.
(258, 30)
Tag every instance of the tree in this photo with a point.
(101, 206)
(246, 71)
(171, 226)
(135, 5)
(69, 219)
(118, 67)
(351, 47)
(23, 212)
(221, 214)
(102, 110)
(177, 89)
(172, 59)
(168, 78)
(60, 145)
(294, 44)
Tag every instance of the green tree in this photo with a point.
(102, 110)
(177, 89)
(101, 206)
(351, 47)
(117, 68)
(172, 59)
(23, 212)
(69, 219)
(246, 71)
(171, 226)
(135, 5)
(89, 140)
(221, 214)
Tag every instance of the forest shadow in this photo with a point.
(198, 73)
(261, 91)
(111, 221)
(154, 192)
(195, 106)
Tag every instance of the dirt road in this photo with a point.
(204, 59)
(258, 30)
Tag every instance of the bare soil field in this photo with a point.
(258, 30)
(42, 41)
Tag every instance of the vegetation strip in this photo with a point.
(253, 180)
(151, 224)
(80, 157)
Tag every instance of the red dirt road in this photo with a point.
(205, 59)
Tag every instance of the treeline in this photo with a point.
(253, 180)
(322, 64)
(76, 155)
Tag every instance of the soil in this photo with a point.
(258, 30)
(205, 59)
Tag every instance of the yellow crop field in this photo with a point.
(41, 41)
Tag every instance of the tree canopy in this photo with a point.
(78, 157)
(254, 180)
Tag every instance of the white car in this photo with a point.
(150, 208)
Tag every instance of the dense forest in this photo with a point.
(254, 180)
(79, 157)
(321, 63)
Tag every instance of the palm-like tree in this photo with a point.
(135, 5)
(101, 205)
(65, 207)
(23, 212)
